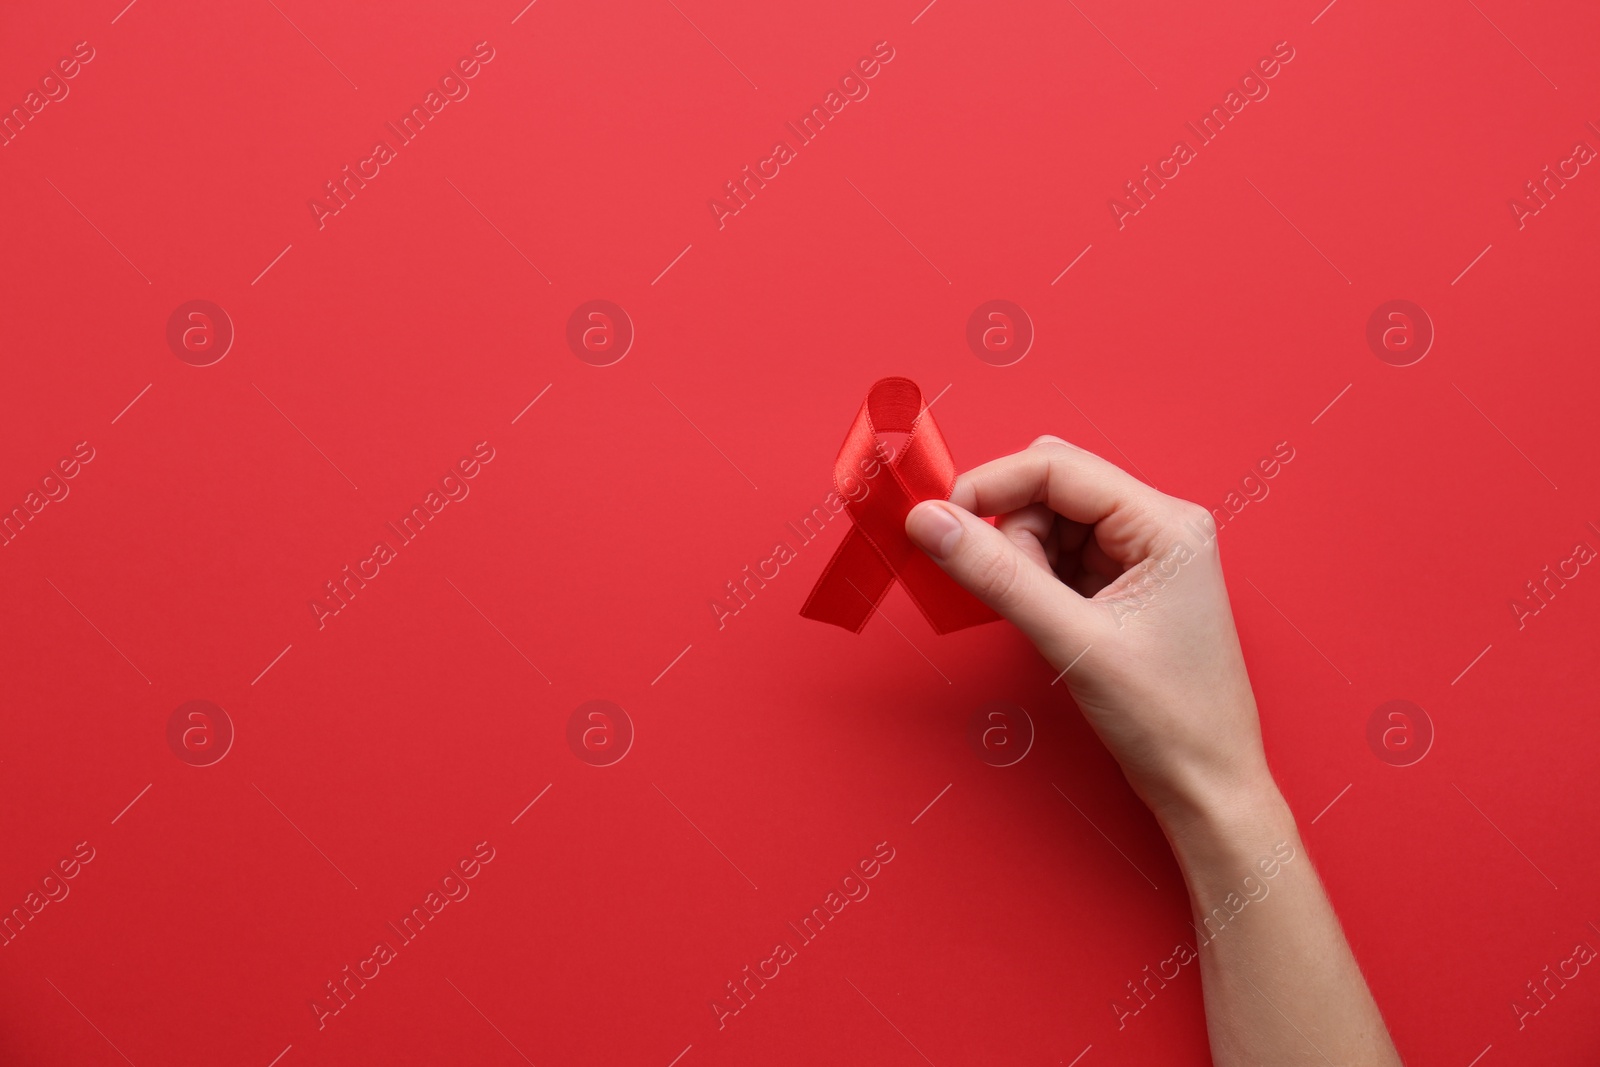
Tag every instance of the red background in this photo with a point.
(1222, 319)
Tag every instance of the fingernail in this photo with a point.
(933, 528)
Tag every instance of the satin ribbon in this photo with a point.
(876, 553)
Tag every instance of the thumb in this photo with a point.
(994, 569)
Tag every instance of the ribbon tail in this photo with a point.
(945, 605)
(852, 585)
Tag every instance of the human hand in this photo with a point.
(1120, 587)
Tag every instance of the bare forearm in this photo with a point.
(1280, 983)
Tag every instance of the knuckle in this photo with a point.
(996, 578)
(1194, 515)
(1050, 441)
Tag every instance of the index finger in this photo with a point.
(1072, 482)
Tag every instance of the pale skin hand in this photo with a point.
(1123, 584)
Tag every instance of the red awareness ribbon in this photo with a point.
(877, 552)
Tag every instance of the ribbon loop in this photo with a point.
(877, 552)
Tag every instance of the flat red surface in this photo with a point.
(375, 748)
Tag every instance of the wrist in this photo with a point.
(1229, 827)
